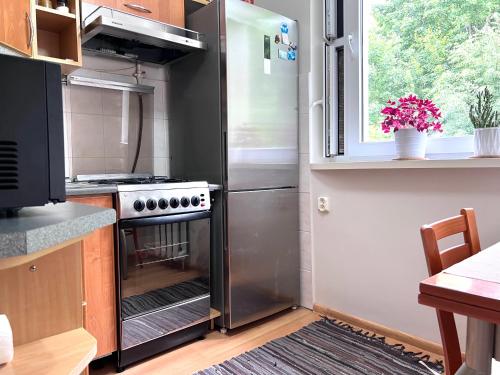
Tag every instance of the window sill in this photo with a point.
(451, 163)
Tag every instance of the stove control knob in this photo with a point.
(151, 204)
(139, 205)
(185, 202)
(163, 204)
(174, 202)
(195, 201)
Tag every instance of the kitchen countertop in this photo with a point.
(39, 228)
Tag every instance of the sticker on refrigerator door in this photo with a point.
(267, 54)
(284, 34)
(283, 55)
(292, 55)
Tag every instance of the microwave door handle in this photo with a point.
(167, 219)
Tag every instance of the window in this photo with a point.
(439, 49)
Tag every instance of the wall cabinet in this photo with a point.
(16, 30)
(98, 260)
(42, 33)
(167, 11)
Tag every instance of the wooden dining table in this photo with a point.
(471, 288)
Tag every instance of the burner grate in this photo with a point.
(136, 181)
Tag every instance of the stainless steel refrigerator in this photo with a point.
(233, 118)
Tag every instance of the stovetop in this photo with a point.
(126, 179)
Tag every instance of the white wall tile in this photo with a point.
(112, 102)
(159, 103)
(145, 166)
(87, 136)
(67, 167)
(113, 148)
(160, 139)
(304, 93)
(304, 173)
(86, 100)
(160, 166)
(93, 121)
(66, 95)
(117, 165)
(87, 165)
(67, 135)
(305, 251)
(305, 212)
(304, 133)
(306, 295)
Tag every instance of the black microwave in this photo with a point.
(31, 133)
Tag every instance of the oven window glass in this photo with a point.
(163, 266)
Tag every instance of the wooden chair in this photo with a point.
(438, 260)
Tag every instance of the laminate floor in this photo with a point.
(217, 348)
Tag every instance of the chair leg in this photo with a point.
(451, 346)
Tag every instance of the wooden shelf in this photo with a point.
(53, 20)
(67, 353)
(57, 38)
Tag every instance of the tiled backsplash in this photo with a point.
(96, 141)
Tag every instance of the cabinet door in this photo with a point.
(143, 8)
(172, 12)
(16, 26)
(106, 3)
(99, 280)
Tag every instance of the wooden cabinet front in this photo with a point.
(166, 11)
(172, 12)
(106, 3)
(99, 280)
(16, 26)
(143, 8)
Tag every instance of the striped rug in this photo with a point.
(327, 347)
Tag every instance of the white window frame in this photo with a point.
(356, 91)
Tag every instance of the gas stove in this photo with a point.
(143, 200)
(143, 195)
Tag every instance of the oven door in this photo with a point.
(164, 264)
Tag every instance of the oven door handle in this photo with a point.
(167, 219)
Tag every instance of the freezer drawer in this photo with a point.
(263, 254)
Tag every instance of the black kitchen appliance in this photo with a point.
(31, 134)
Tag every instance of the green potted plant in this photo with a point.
(486, 125)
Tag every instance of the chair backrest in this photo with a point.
(439, 260)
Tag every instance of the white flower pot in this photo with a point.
(487, 142)
(410, 144)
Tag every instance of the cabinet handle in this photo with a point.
(138, 8)
(30, 24)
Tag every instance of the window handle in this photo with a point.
(350, 37)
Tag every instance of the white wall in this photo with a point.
(368, 258)
(300, 10)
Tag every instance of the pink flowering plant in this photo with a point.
(411, 112)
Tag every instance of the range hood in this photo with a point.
(107, 31)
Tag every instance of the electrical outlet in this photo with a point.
(323, 204)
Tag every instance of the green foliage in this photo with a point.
(440, 49)
(482, 114)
